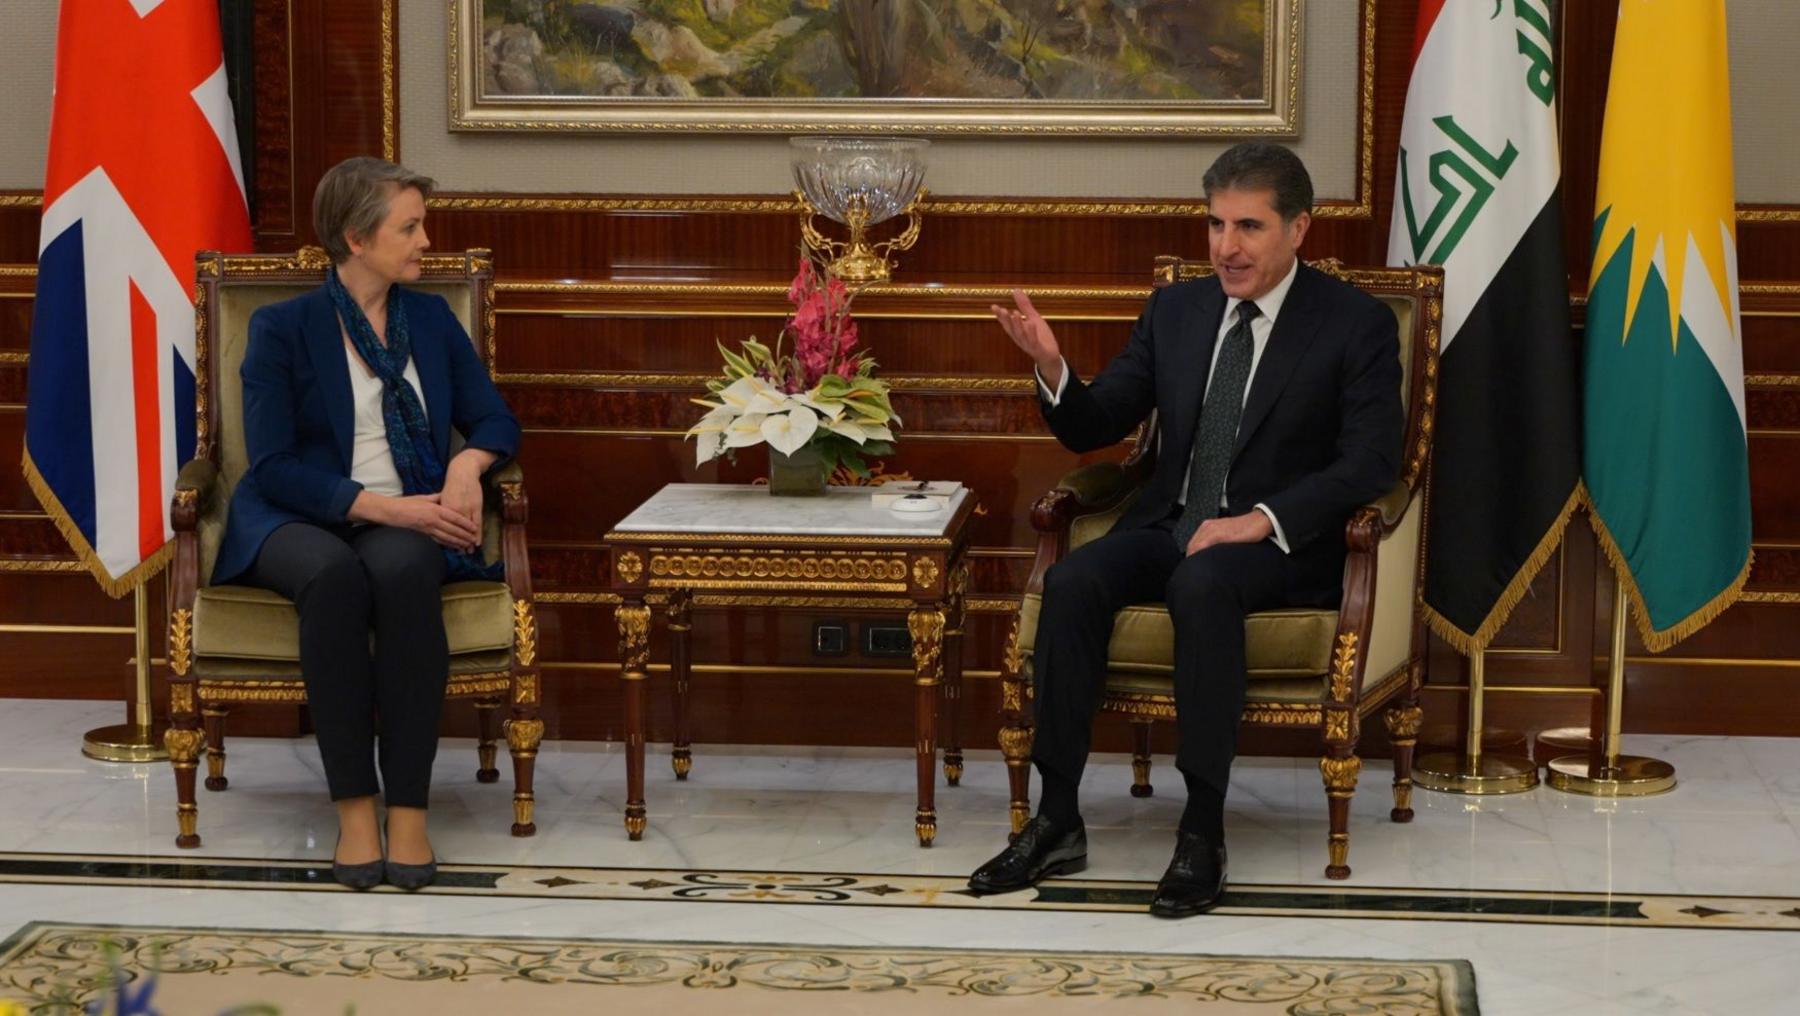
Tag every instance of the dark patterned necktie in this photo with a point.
(1217, 432)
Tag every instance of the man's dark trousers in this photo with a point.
(1208, 595)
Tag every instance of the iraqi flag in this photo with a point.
(1479, 192)
(1667, 459)
(143, 172)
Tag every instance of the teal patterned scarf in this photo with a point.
(408, 431)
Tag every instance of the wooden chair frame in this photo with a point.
(200, 705)
(1345, 700)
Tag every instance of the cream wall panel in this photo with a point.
(29, 27)
(646, 164)
(1765, 99)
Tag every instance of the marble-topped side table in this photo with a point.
(728, 545)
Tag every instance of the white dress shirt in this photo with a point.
(1261, 326)
(371, 458)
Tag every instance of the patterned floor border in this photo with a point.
(56, 967)
(1636, 910)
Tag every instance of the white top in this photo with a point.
(1268, 307)
(745, 508)
(371, 459)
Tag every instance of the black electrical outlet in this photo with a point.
(886, 638)
(830, 638)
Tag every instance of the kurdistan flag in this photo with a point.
(1479, 192)
(1667, 466)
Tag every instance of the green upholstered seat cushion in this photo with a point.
(1279, 644)
(225, 668)
(245, 623)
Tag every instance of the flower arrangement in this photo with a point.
(822, 396)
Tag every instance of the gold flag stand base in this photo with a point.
(125, 742)
(1617, 775)
(142, 740)
(1630, 776)
(1455, 773)
(1474, 771)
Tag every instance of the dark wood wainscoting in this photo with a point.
(608, 310)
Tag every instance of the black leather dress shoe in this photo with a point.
(1042, 850)
(1195, 879)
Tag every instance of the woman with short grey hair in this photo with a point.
(354, 508)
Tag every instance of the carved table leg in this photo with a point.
(953, 677)
(680, 670)
(634, 659)
(926, 624)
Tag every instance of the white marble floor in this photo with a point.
(1732, 827)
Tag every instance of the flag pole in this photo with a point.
(1619, 775)
(1473, 771)
(141, 740)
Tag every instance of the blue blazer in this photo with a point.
(299, 420)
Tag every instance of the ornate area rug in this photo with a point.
(55, 968)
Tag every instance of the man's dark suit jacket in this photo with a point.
(1322, 426)
(300, 418)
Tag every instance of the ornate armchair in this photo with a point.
(1326, 669)
(235, 646)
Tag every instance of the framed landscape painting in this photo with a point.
(948, 67)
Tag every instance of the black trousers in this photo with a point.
(348, 582)
(1208, 595)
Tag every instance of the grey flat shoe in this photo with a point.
(411, 876)
(355, 876)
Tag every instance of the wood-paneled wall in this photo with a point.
(608, 311)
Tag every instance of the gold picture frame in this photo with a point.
(497, 69)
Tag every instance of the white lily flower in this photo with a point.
(830, 411)
(706, 444)
(738, 394)
(744, 431)
(788, 432)
(768, 399)
(851, 429)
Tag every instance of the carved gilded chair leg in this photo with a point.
(487, 728)
(1015, 744)
(1403, 723)
(1140, 759)
(184, 746)
(214, 718)
(1340, 775)
(1015, 733)
(523, 734)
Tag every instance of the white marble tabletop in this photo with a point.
(743, 508)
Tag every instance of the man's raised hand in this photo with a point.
(1031, 333)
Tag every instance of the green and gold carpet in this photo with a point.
(55, 968)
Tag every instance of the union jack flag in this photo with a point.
(143, 171)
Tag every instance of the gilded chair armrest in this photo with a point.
(507, 486)
(1089, 490)
(1392, 506)
(1097, 486)
(193, 489)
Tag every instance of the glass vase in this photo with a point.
(801, 474)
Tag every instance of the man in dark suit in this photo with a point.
(1279, 412)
